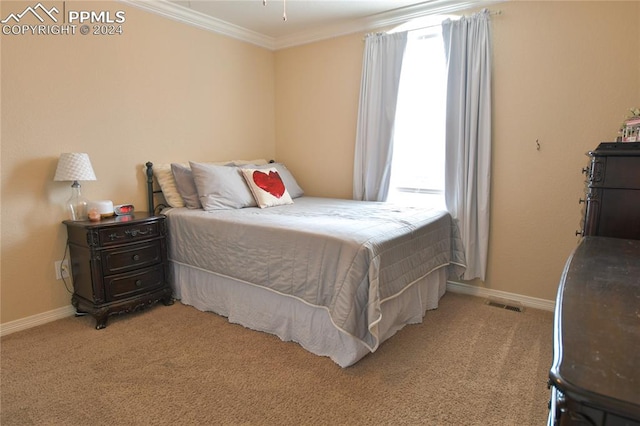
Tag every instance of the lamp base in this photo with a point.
(76, 205)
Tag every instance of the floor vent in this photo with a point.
(510, 306)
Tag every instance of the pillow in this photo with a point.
(167, 183)
(290, 183)
(267, 187)
(258, 162)
(221, 187)
(164, 176)
(186, 185)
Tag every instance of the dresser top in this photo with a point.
(597, 325)
(616, 148)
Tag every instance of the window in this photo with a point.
(417, 170)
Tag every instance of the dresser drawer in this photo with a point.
(620, 172)
(130, 284)
(130, 257)
(112, 235)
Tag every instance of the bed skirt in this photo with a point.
(291, 319)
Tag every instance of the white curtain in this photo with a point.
(468, 134)
(382, 62)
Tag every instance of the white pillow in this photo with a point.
(267, 187)
(164, 177)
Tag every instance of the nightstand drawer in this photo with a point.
(130, 257)
(125, 234)
(133, 283)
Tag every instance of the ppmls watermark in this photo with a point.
(43, 20)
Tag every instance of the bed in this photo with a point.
(337, 276)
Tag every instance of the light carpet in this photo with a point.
(467, 364)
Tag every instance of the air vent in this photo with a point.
(508, 305)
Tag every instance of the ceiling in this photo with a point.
(302, 15)
(307, 20)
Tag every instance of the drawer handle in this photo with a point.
(135, 232)
(136, 257)
(132, 233)
(138, 283)
(581, 201)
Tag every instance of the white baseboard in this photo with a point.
(455, 287)
(531, 302)
(35, 320)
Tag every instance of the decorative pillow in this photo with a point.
(267, 187)
(290, 183)
(221, 187)
(167, 183)
(186, 185)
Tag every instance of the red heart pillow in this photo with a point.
(269, 182)
(267, 187)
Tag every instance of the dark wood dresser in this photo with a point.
(595, 375)
(118, 264)
(613, 191)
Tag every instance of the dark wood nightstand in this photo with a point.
(118, 264)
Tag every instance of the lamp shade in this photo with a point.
(74, 166)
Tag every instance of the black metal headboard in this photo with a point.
(151, 193)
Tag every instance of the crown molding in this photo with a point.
(381, 20)
(395, 17)
(200, 20)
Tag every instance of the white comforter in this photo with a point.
(344, 256)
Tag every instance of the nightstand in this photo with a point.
(119, 264)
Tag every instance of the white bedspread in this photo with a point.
(344, 256)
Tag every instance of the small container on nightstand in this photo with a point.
(118, 264)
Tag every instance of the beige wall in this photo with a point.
(317, 88)
(565, 74)
(164, 91)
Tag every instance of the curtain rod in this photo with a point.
(491, 13)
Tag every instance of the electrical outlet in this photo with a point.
(62, 269)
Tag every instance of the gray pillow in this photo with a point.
(221, 187)
(186, 185)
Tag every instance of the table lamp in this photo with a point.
(74, 166)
